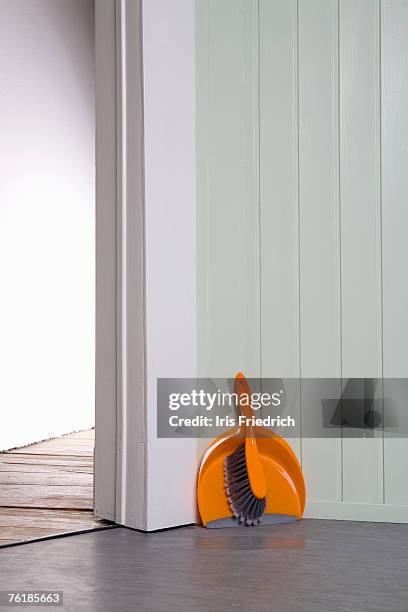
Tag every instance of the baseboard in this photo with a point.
(342, 511)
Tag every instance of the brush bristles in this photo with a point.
(247, 508)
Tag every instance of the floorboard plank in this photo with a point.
(64, 444)
(22, 533)
(44, 516)
(61, 479)
(48, 521)
(39, 496)
(46, 460)
(45, 469)
(38, 513)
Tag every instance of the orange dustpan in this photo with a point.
(249, 475)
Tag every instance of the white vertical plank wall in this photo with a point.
(228, 240)
(305, 276)
(278, 145)
(360, 199)
(320, 325)
(394, 64)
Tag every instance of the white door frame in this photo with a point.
(145, 256)
(120, 340)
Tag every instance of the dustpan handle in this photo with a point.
(242, 389)
(253, 460)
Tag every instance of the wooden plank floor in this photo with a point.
(47, 488)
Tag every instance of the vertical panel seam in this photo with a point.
(259, 189)
(381, 246)
(204, 367)
(298, 229)
(340, 251)
(208, 312)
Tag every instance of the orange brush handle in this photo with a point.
(253, 460)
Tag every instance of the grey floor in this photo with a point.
(314, 566)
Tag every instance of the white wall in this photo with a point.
(46, 219)
(329, 77)
(170, 239)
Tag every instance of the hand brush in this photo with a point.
(243, 471)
